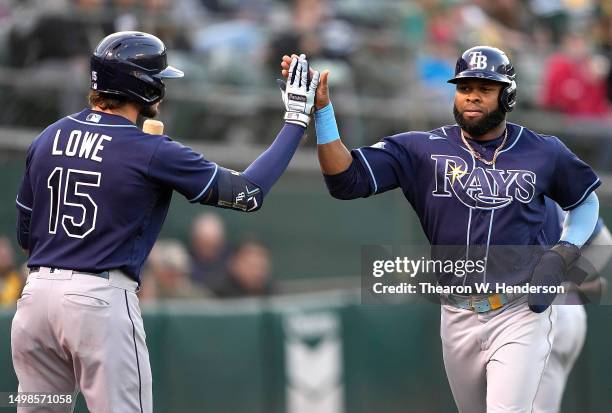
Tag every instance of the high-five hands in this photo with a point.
(298, 93)
(322, 94)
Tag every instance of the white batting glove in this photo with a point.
(297, 94)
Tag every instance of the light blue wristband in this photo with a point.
(325, 125)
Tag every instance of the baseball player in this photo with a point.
(571, 317)
(479, 183)
(94, 195)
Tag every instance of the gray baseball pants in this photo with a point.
(495, 360)
(74, 332)
(571, 332)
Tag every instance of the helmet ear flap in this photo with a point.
(507, 97)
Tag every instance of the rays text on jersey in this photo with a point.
(87, 145)
(481, 188)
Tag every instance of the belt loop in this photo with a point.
(496, 301)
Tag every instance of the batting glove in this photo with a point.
(549, 272)
(299, 95)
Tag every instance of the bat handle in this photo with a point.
(154, 127)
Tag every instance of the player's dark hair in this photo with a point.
(108, 101)
(105, 100)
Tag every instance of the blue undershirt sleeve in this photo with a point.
(270, 165)
(581, 221)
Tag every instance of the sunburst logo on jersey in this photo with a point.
(456, 172)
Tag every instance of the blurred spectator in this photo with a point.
(54, 42)
(477, 26)
(249, 271)
(167, 273)
(11, 282)
(59, 33)
(511, 14)
(434, 67)
(551, 17)
(210, 254)
(603, 34)
(167, 19)
(220, 42)
(311, 28)
(574, 82)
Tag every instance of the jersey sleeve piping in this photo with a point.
(588, 191)
(369, 169)
(196, 198)
(19, 204)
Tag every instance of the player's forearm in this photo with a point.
(270, 165)
(334, 157)
(245, 191)
(345, 178)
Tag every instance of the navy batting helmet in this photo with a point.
(131, 64)
(484, 62)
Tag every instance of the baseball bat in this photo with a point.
(154, 127)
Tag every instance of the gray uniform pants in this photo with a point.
(74, 332)
(495, 360)
(571, 333)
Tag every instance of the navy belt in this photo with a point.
(103, 274)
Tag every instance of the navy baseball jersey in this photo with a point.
(553, 225)
(97, 190)
(462, 201)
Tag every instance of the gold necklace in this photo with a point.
(479, 156)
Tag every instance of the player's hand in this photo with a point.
(550, 272)
(322, 95)
(298, 93)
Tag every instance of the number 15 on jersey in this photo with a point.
(68, 188)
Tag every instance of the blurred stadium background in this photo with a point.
(261, 313)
